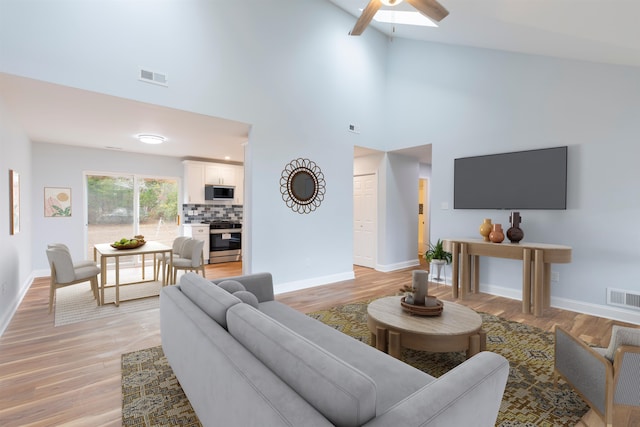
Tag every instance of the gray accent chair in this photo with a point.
(83, 263)
(164, 259)
(190, 259)
(65, 273)
(608, 379)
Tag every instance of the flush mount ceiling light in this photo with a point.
(390, 2)
(151, 139)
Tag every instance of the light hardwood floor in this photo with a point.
(70, 375)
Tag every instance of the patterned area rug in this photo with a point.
(153, 397)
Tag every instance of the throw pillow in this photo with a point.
(232, 286)
(247, 297)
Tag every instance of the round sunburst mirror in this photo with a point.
(302, 186)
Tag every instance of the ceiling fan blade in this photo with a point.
(430, 8)
(366, 17)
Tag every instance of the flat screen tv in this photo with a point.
(535, 179)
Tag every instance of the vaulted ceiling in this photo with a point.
(605, 31)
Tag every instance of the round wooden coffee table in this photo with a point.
(458, 328)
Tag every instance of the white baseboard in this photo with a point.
(599, 310)
(310, 283)
(606, 311)
(386, 268)
(6, 317)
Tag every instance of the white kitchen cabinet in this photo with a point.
(238, 197)
(199, 232)
(220, 174)
(198, 174)
(194, 173)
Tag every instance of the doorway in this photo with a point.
(423, 217)
(365, 190)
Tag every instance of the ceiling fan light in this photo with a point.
(403, 17)
(151, 139)
(390, 2)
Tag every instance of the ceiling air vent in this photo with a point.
(623, 298)
(153, 77)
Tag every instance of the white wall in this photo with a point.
(291, 70)
(471, 101)
(56, 165)
(400, 203)
(15, 250)
(287, 68)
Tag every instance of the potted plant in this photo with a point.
(438, 256)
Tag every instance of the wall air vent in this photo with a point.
(153, 77)
(622, 298)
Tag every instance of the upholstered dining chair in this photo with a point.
(190, 259)
(608, 379)
(164, 259)
(64, 273)
(83, 263)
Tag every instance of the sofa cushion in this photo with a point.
(342, 393)
(394, 379)
(210, 298)
(259, 284)
(232, 286)
(247, 298)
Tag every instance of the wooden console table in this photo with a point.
(536, 261)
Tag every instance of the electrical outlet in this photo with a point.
(555, 276)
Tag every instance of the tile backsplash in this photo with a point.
(197, 213)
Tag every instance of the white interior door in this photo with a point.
(364, 220)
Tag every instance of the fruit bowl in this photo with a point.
(130, 245)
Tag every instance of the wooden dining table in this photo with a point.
(104, 251)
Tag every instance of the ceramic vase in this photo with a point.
(496, 235)
(515, 233)
(485, 229)
(420, 286)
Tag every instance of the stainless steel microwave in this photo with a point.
(219, 192)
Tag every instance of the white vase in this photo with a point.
(420, 286)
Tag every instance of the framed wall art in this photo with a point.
(57, 202)
(14, 201)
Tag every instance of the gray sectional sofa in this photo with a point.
(257, 362)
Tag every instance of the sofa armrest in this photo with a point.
(259, 284)
(468, 395)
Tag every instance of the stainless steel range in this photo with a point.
(225, 242)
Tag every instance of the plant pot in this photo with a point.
(439, 263)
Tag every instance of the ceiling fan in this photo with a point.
(430, 8)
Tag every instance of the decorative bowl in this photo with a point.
(130, 245)
(423, 310)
